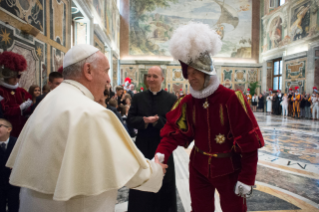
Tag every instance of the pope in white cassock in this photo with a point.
(73, 154)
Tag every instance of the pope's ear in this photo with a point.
(87, 71)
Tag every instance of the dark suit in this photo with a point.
(38, 100)
(8, 193)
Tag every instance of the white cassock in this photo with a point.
(269, 103)
(73, 155)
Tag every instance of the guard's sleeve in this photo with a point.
(134, 120)
(247, 136)
(178, 130)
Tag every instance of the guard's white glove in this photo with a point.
(1, 98)
(25, 105)
(242, 189)
(160, 157)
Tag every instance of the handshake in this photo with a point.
(159, 158)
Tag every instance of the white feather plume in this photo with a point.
(189, 41)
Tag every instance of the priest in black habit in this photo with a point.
(148, 114)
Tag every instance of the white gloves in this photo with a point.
(25, 105)
(1, 98)
(242, 189)
(160, 156)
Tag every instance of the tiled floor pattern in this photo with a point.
(288, 169)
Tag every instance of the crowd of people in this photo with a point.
(293, 104)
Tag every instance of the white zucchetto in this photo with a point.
(78, 53)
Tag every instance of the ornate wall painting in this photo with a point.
(99, 7)
(240, 76)
(275, 32)
(30, 11)
(57, 57)
(228, 84)
(152, 25)
(131, 71)
(300, 21)
(99, 44)
(109, 16)
(177, 88)
(292, 84)
(177, 75)
(58, 19)
(227, 74)
(115, 71)
(295, 69)
(252, 75)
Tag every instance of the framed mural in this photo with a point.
(300, 21)
(153, 22)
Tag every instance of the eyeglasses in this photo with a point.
(2, 125)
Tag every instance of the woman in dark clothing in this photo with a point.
(260, 102)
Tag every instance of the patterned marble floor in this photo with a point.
(288, 169)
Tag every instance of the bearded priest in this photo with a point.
(73, 154)
(218, 119)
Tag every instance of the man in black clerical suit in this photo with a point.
(8, 193)
(148, 114)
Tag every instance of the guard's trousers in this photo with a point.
(202, 191)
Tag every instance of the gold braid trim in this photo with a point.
(177, 103)
(241, 100)
(221, 114)
(182, 121)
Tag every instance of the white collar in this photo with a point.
(209, 90)
(81, 87)
(154, 93)
(6, 142)
(6, 85)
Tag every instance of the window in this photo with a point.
(277, 75)
(276, 3)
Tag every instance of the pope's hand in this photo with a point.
(164, 166)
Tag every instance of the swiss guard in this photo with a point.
(296, 98)
(219, 121)
(15, 101)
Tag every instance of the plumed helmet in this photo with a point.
(11, 65)
(315, 89)
(296, 88)
(193, 44)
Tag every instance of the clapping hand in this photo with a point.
(150, 119)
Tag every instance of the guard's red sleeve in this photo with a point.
(11, 107)
(247, 136)
(178, 130)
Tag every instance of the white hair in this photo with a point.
(189, 41)
(75, 70)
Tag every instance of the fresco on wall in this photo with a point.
(31, 12)
(98, 6)
(153, 22)
(300, 21)
(275, 32)
(58, 19)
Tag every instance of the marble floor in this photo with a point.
(288, 169)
